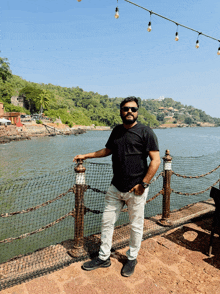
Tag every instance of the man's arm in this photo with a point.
(152, 169)
(100, 153)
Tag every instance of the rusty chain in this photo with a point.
(8, 240)
(104, 192)
(72, 213)
(123, 210)
(195, 177)
(36, 207)
(96, 190)
(196, 193)
(157, 177)
(92, 210)
(155, 196)
(55, 199)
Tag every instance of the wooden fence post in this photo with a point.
(79, 189)
(167, 168)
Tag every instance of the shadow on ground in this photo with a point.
(197, 239)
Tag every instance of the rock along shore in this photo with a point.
(26, 132)
(10, 133)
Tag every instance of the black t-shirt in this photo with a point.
(130, 149)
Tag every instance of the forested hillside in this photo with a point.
(75, 106)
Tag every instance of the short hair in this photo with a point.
(129, 99)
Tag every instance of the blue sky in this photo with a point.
(70, 43)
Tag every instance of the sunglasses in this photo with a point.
(126, 108)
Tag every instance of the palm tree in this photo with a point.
(43, 100)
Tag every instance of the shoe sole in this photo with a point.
(127, 275)
(99, 266)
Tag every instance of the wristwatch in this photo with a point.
(145, 185)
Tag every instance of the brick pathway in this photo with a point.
(175, 262)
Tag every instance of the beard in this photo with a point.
(129, 121)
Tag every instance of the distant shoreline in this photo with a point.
(10, 133)
(182, 125)
(27, 131)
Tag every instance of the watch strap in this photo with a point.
(145, 185)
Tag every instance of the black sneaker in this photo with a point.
(96, 263)
(128, 268)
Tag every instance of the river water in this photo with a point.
(42, 155)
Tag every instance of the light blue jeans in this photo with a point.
(114, 201)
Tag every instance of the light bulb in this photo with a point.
(79, 0)
(149, 27)
(218, 51)
(197, 44)
(177, 37)
(116, 12)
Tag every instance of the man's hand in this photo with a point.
(138, 190)
(80, 156)
(100, 153)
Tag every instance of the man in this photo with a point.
(130, 144)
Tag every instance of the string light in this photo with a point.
(197, 41)
(149, 27)
(177, 36)
(218, 53)
(149, 24)
(116, 12)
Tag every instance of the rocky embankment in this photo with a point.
(183, 125)
(26, 132)
(11, 133)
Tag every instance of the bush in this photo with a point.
(188, 120)
(12, 108)
(38, 121)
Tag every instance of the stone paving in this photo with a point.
(174, 262)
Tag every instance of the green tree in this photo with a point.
(188, 120)
(146, 118)
(12, 108)
(5, 72)
(160, 116)
(30, 93)
(168, 102)
(6, 91)
(42, 100)
(178, 105)
(6, 88)
(176, 115)
(181, 117)
(38, 99)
